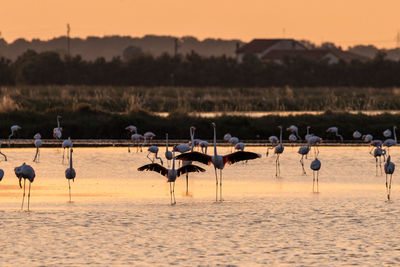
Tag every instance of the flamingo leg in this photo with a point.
(313, 181)
(220, 185)
(216, 185)
(387, 191)
(29, 193)
(162, 163)
(63, 155)
(37, 151)
(380, 164)
(317, 181)
(23, 197)
(376, 166)
(302, 164)
(390, 186)
(5, 157)
(173, 191)
(69, 186)
(187, 183)
(149, 158)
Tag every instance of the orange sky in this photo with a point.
(345, 22)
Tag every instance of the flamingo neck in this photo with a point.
(192, 137)
(280, 137)
(394, 133)
(173, 160)
(70, 158)
(167, 141)
(215, 141)
(308, 130)
(58, 122)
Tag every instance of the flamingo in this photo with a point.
(168, 154)
(154, 150)
(375, 143)
(192, 129)
(227, 137)
(38, 143)
(391, 142)
(70, 173)
(182, 148)
(367, 138)
(315, 166)
(378, 153)
(131, 129)
(308, 135)
(26, 172)
(147, 136)
(218, 161)
(4, 155)
(171, 174)
(278, 150)
(335, 131)
(135, 140)
(273, 140)
(357, 135)
(67, 144)
(387, 133)
(313, 141)
(389, 170)
(295, 131)
(14, 129)
(233, 141)
(204, 146)
(57, 132)
(303, 151)
(239, 146)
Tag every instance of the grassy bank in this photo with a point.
(48, 99)
(88, 123)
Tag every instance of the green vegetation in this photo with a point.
(86, 123)
(49, 99)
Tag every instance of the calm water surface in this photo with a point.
(122, 216)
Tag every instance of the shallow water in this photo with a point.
(122, 216)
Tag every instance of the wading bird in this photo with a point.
(278, 151)
(57, 132)
(295, 131)
(357, 135)
(14, 129)
(389, 170)
(218, 161)
(67, 144)
(135, 140)
(391, 142)
(131, 129)
(303, 151)
(335, 130)
(4, 155)
(387, 133)
(239, 146)
(168, 154)
(233, 141)
(315, 166)
(378, 153)
(25, 172)
(171, 174)
(227, 137)
(148, 136)
(38, 144)
(70, 173)
(204, 146)
(273, 140)
(308, 135)
(154, 150)
(314, 141)
(367, 138)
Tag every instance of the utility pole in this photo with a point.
(68, 45)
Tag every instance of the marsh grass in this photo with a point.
(191, 99)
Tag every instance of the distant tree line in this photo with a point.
(49, 68)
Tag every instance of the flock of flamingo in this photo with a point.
(188, 155)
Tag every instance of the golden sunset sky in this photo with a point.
(345, 22)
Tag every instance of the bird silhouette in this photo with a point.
(67, 144)
(25, 172)
(38, 144)
(57, 132)
(154, 150)
(315, 166)
(168, 154)
(14, 129)
(389, 170)
(70, 173)
(218, 161)
(171, 174)
(303, 151)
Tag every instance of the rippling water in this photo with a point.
(121, 216)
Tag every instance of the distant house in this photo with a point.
(261, 47)
(277, 50)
